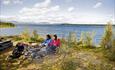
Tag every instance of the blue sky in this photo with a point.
(66, 11)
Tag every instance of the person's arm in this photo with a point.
(48, 42)
(51, 43)
(43, 44)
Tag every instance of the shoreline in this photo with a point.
(6, 25)
(64, 24)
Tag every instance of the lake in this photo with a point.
(62, 30)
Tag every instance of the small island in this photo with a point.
(6, 24)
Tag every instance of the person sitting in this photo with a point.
(43, 47)
(39, 51)
(55, 43)
(17, 52)
(47, 41)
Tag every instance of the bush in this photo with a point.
(107, 38)
(25, 35)
(111, 53)
(108, 42)
(35, 37)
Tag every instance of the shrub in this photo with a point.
(111, 53)
(35, 37)
(25, 35)
(106, 40)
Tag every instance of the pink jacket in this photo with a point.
(55, 43)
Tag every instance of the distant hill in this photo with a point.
(6, 24)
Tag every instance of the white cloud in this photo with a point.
(17, 1)
(46, 3)
(97, 5)
(7, 2)
(70, 9)
(40, 12)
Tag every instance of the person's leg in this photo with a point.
(53, 49)
(49, 50)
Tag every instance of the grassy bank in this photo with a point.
(6, 24)
(73, 54)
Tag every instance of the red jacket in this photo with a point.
(55, 43)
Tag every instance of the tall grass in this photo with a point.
(108, 42)
(72, 39)
(107, 38)
(69, 64)
(87, 39)
(111, 51)
(31, 37)
(25, 35)
(35, 37)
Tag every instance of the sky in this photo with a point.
(58, 11)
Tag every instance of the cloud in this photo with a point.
(41, 12)
(70, 9)
(17, 1)
(7, 2)
(43, 4)
(46, 12)
(39, 8)
(61, 18)
(97, 5)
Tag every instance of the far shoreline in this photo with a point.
(63, 24)
(6, 25)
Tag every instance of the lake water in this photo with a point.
(60, 30)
